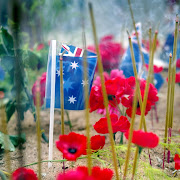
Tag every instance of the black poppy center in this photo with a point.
(138, 105)
(72, 150)
(111, 97)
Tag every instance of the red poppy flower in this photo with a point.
(152, 99)
(97, 143)
(178, 63)
(24, 173)
(42, 88)
(146, 44)
(97, 173)
(72, 145)
(144, 139)
(72, 174)
(157, 69)
(81, 173)
(122, 124)
(177, 161)
(40, 47)
(110, 52)
(177, 78)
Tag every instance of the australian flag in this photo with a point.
(73, 77)
(127, 65)
(168, 48)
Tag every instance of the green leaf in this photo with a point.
(6, 143)
(30, 59)
(7, 62)
(7, 41)
(2, 51)
(10, 109)
(16, 140)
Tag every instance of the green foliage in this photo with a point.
(26, 58)
(9, 142)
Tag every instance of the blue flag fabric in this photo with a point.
(73, 78)
(168, 48)
(126, 64)
(2, 74)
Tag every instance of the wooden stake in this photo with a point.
(86, 97)
(100, 68)
(38, 127)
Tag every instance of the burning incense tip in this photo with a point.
(170, 55)
(156, 32)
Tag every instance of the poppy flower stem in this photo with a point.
(121, 140)
(69, 121)
(2, 175)
(105, 98)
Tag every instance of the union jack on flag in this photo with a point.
(73, 77)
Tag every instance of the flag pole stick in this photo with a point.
(53, 76)
(105, 99)
(145, 100)
(38, 127)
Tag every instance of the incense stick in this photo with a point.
(86, 97)
(100, 68)
(137, 37)
(38, 125)
(62, 93)
(145, 100)
(168, 104)
(172, 87)
(131, 126)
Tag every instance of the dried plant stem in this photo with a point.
(100, 68)
(145, 99)
(6, 137)
(134, 24)
(38, 127)
(86, 97)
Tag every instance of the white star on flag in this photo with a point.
(85, 82)
(72, 99)
(58, 72)
(74, 65)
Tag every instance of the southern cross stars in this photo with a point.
(85, 82)
(58, 72)
(74, 65)
(71, 99)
